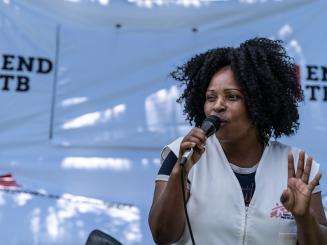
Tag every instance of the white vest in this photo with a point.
(216, 206)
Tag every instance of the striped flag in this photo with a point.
(7, 181)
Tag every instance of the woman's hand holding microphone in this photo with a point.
(195, 140)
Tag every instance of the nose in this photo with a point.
(220, 105)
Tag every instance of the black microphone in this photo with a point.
(98, 237)
(209, 125)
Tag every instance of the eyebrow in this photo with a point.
(227, 89)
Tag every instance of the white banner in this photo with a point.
(27, 65)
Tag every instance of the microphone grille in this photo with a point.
(210, 125)
(214, 120)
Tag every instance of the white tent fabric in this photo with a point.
(87, 103)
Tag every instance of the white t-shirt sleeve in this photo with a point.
(314, 172)
(168, 160)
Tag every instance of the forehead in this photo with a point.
(223, 79)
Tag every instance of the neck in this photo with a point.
(244, 153)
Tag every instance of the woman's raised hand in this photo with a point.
(296, 198)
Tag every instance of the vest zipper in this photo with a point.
(245, 223)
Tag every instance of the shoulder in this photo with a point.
(281, 151)
(277, 152)
(173, 146)
(168, 158)
(277, 147)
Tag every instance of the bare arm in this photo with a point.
(166, 218)
(312, 228)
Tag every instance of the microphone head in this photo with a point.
(210, 125)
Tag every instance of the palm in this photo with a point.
(296, 198)
(300, 195)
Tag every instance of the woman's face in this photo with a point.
(225, 99)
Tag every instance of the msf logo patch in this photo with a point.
(280, 212)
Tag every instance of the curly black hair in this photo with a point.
(265, 73)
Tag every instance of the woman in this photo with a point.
(242, 188)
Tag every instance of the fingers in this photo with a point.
(307, 170)
(198, 133)
(302, 170)
(200, 151)
(197, 141)
(300, 165)
(197, 136)
(184, 146)
(314, 182)
(187, 145)
(194, 139)
(291, 172)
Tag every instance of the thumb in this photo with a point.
(287, 199)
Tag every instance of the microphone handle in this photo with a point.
(186, 156)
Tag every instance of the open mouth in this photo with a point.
(222, 123)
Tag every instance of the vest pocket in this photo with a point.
(287, 239)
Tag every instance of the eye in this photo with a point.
(233, 97)
(210, 98)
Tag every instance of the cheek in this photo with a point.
(244, 121)
(240, 118)
(239, 112)
(206, 109)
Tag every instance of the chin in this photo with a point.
(222, 138)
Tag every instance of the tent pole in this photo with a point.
(55, 79)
